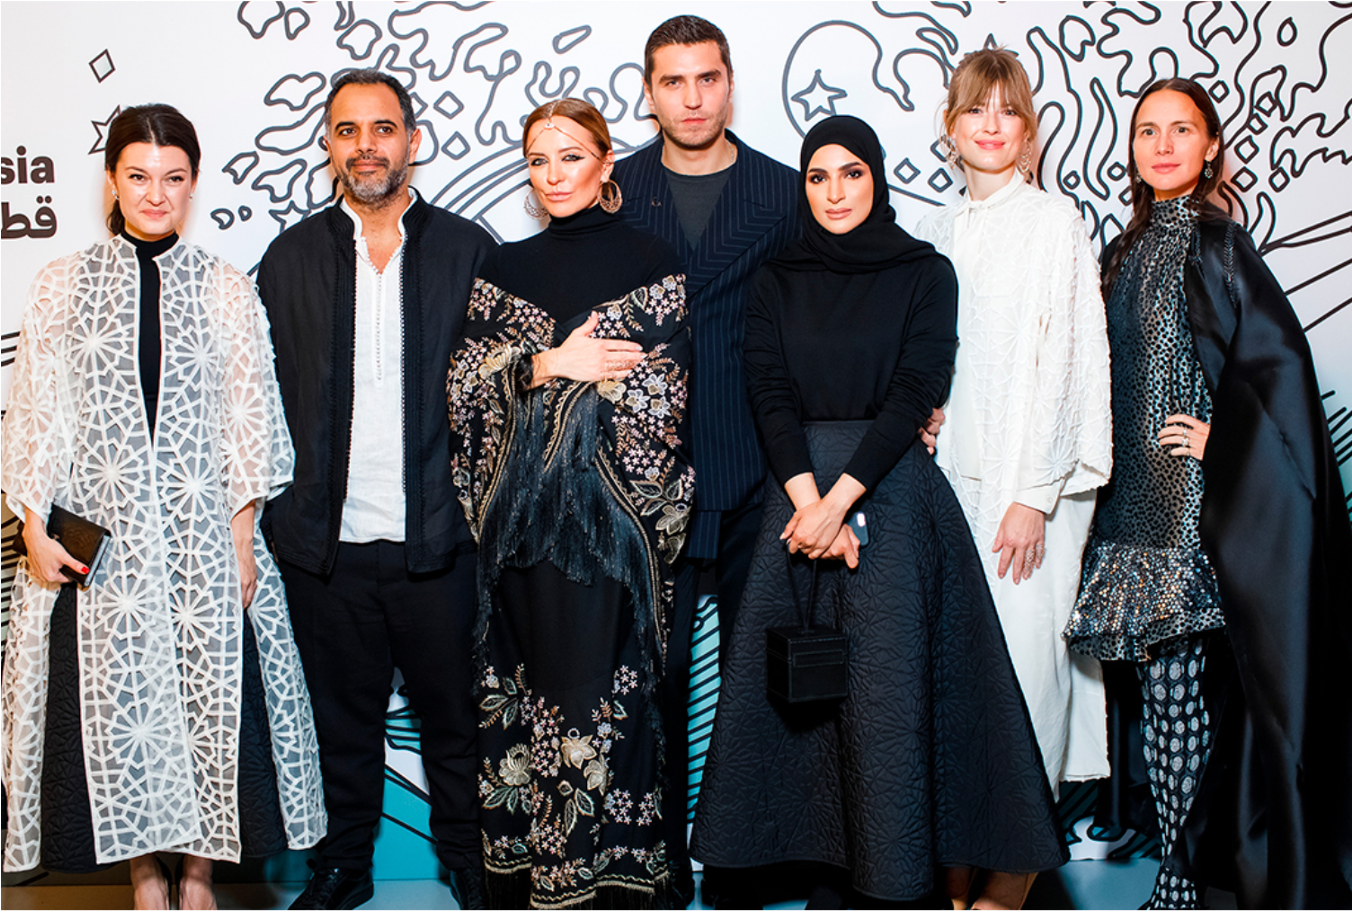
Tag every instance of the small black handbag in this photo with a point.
(83, 540)
(806, 662)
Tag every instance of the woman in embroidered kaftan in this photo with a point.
(565, 402)
(1027, 438)
(163, 707)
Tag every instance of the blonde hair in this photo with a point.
(580, 112)
(984, 71)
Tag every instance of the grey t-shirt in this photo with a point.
(695, 196)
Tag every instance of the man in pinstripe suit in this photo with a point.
(727, 208)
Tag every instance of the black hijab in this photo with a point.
(875, 244)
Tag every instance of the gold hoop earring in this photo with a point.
(611, 197)
(534, 209)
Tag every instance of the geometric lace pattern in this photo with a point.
(160, 628)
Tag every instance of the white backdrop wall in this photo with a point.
(253, 77)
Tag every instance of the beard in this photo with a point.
(373, 190)
(697, 137)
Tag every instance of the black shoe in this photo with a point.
(467, 888)
(730, 888)
(336, 888)
(682, 888)
(826, 896)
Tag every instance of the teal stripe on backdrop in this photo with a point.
(703, 694)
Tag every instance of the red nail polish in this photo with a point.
(84, 569)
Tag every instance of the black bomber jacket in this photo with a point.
(307, 281)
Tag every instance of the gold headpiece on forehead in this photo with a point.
(548, 124)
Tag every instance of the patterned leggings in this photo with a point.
(1177, 741)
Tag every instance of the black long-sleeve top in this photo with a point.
(824, 346)
(148, 337)
(579, 262)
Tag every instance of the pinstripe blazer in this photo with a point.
(755, 216)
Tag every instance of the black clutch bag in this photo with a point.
(84, 540)
(807, 662)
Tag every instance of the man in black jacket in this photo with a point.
(727, 208)
(366, 300)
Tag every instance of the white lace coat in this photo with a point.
(1029, 420)
(160, 635)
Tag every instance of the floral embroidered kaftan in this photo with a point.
(579, 499)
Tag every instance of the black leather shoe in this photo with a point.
(467, 888)
(336, 888)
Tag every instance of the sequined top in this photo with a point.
(1147, 582)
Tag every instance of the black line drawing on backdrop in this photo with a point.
(474, 70)
(471, 121)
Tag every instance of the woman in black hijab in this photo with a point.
(930, 759)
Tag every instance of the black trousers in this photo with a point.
(724, 577)
(353, 628)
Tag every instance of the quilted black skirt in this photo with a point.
(931, 759)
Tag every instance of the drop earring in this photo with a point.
(1026, 160)
(951, 153)
(611, 197)
(1206, 171)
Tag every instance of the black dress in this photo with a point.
(1272, 816)
(931, 758)
(573, 594)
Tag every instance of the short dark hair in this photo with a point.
(371, 77)
(157, 124)
(684, 30)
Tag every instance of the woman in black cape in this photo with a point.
(1221, 556)
(565, 399)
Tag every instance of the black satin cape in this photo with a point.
(1272, 820)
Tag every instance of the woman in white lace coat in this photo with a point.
(162, 708)
(1028, 435)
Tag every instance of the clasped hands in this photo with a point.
(585, 359)
(817, 527)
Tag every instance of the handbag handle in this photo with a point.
(804, 614)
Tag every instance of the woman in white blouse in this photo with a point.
(1028, 434)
